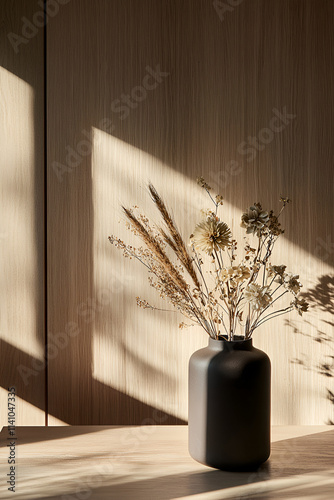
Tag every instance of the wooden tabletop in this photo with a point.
(152, 463)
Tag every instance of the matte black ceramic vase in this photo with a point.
(229, 405)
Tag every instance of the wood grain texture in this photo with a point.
(153, 462)
(255, 89)
(22, 215)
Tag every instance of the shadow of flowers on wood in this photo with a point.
(320, 298)
(322, 295)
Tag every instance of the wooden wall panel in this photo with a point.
(22, 213)
(254, 86)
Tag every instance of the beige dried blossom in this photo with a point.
(292, 283)
(300, 305)
(237, 274)
(257, 296)
(255, 219)
(211, 235)
(276, 270)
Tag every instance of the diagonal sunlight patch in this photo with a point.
(20, 309)
(143, 353)
(17, 226)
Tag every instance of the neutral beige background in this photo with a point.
(22, 334)
(225, 78)
(115, 363)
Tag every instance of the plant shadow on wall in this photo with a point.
(320, 298)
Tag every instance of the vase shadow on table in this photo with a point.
(320, 298)
(290, 460)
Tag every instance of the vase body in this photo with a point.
(229, 405)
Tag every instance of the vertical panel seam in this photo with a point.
(45, 217)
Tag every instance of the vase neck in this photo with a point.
(233, 345)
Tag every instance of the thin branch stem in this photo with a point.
(269, 316)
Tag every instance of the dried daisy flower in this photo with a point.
(211, 235)
(224, 274)
(258, 296)
(237, 274)
(255, 219)
(300, 305)
(242, 273)
(274, 270)
(292, 283)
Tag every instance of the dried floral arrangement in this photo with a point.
(230, 299)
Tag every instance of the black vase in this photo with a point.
(229, 405)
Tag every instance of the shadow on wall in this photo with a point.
(125, 410)
(320, 298)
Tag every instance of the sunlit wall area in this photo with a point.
(143, 353)
(22, 328)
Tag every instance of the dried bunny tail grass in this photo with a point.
(156, 249)
(169, 240)
(175, 242)
(170, 283)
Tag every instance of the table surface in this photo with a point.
(152, 463)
